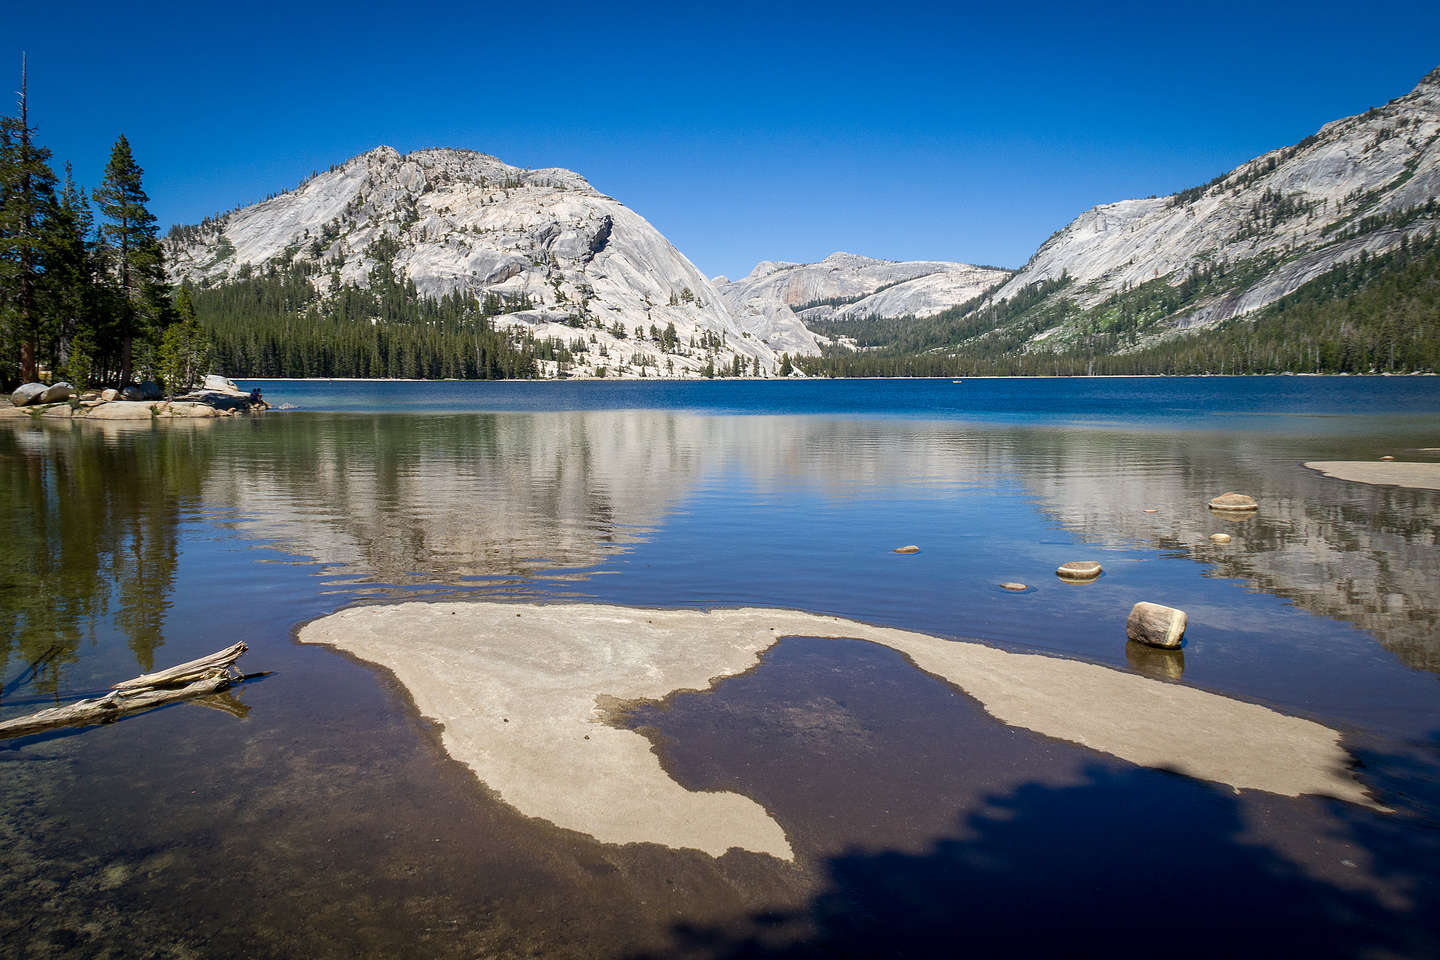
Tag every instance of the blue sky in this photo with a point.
(743, 131)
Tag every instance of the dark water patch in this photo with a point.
(938, 830)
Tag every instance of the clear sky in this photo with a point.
(742, 131)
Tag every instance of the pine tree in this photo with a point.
(27, 207)
(132, 250)
(74, 299)
(185, 347)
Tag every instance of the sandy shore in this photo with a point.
(524, 692)
(1393, 473)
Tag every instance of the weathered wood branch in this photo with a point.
(198, 678)
(185, 672)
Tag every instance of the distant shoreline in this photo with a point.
(1108, 376)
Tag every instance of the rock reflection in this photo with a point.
(1364, 555)
(1153, 662)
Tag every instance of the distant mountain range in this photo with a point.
(1309, 224)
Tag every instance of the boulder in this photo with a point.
(910, 549)
(149, 390)
(57, 392)
(1013, 586)
(1234, 503)
(1079, 571)
(109, 394)
(1220, 537)
(27, 394)
(1387, 458)
(213, 381)
(1155, 625)
(123, 410)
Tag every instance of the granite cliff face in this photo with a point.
(1362, 183)
(777, 295)
(569, 261)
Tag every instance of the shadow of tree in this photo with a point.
(1125, 863)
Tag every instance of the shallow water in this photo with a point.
(314, 814)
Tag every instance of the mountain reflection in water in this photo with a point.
(445, 501)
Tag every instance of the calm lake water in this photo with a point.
(313, 812)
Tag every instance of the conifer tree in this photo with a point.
(131, 248)
(27, 207)
(74, 299)
(185, 347)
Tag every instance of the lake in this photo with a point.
(316, 812)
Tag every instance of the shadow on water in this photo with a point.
(1021, 842)
(1106, 867)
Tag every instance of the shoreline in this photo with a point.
(1115, 376)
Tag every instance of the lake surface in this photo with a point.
(314, 813)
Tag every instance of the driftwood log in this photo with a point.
(198, 678)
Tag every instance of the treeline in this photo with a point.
(1373, 314)
(273, 323)
(82, 298)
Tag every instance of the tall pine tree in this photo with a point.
(27, 210)
(131, 249)
(75, 300)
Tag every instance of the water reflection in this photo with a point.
(89, 520)
(796, 511)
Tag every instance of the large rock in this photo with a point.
(1155, 625)
(149, 390)
(58, 392)
(219, 384)
(1234, 503)
(109, 394)
(27, 394)
(1079, 571)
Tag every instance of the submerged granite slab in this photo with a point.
(524, 692)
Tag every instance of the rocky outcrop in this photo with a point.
(1363, 184)
(57, 392)
(565, 260)
(777, 298)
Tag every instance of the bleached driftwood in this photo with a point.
(197, 678)
(186, 672)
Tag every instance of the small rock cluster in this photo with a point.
(143, 401)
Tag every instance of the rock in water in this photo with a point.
(27, 394)
(1234, 502)
(58, 392)
(1156, 625)
(1079, 571)
(910, 549)
(1013, 586)
(1220, 537)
